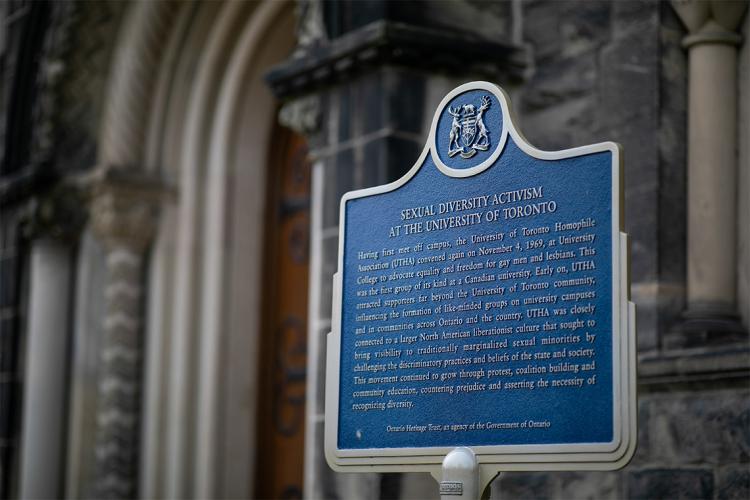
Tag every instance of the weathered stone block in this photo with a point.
(671, 297)
(589, 485)
(633, 15)
(641, 226)
(559, 80)
(699, 428)
(629, 79)
(555, 127)
(419, 485)
(566, 28)
(647, 315)
(733, 482)
(520, 485)
(670, 483)
(643, 446)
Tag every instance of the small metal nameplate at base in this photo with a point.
(451, 488)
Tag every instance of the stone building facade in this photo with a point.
(170, 180)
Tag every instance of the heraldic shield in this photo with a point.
(468, 133)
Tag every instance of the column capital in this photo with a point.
(711, 21)
(124, 207)
(58, 214)
(302, 114)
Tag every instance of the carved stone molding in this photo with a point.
(711, 21)
(59, 214)
(124, 208)
(389, 42)
(302, 114)
(140, 47)
(119, 391)
(124, 213)
(51, 72)
(310, 27)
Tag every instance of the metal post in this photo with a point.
(460, 476)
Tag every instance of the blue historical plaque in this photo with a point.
(482, 301)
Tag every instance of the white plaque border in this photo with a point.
(580, 456)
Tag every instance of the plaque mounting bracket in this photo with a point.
(461, 476)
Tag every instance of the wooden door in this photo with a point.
(281, 435)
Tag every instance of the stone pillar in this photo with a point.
(46, 369)
(712, 44)
(123, 217)
(52, 224)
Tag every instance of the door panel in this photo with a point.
(283, 361)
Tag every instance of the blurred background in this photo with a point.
(169, 190)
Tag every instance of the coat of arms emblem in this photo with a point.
(468, 133)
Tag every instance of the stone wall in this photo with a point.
(616, 71)
(598, 71)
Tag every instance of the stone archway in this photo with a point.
(185, 131)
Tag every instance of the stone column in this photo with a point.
(52, 224)
(123, 217)
(712, 44)
(46, 369)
